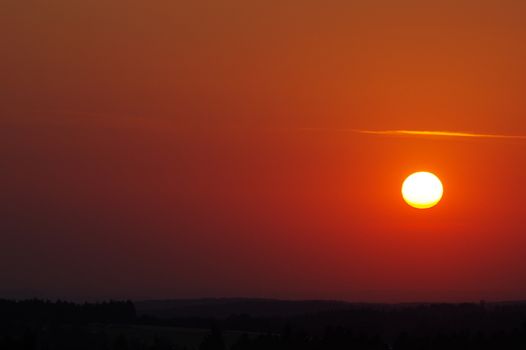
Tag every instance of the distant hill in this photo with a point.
(225, 307)
(221, 308)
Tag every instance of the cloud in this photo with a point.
(416, 133)
(439, 134)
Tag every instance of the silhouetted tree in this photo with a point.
(121, 343)
(214, 340)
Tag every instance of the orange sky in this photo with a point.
(181, 149)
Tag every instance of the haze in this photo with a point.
(184, 149)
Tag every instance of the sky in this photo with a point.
(178, 149)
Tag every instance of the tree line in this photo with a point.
(115, 325)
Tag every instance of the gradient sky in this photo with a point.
(157, 149)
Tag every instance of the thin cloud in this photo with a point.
(423, 133)
(438, 134)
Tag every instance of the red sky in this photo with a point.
(185, 149)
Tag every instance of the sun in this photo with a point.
(422, 190)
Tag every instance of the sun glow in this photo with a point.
(422, 190)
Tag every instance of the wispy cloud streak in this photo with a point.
(424, 133)
(438, 134)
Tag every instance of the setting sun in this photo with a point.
(422, 190)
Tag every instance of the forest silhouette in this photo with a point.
(42, 324)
